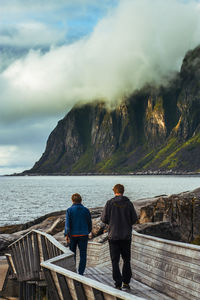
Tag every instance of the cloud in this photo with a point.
(22, 142)
(140, 41)
(31, 34)
(11, 161)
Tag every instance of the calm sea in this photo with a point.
(25, 198)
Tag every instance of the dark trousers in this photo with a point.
(123, 248)
(81, 242)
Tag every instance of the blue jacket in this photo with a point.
(78, 220)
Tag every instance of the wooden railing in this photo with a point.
(167, 266)
(33, 248)
(38, 256)
(65, 284)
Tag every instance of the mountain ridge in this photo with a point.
(156, 129)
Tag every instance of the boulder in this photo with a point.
(98, 227)
(164, 230)
(181, 210)
(101, 238)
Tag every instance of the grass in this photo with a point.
(172, 160)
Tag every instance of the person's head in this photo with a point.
(118, 189)
(76, 198)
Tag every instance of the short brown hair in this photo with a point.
(76, 198)
(118, 188)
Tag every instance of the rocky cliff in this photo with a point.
(155, 129)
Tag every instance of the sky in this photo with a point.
(54, 54)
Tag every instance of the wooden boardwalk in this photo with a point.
(3, 274)
(3, 271)
(104, 275)
(162, 270)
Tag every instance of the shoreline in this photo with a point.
(146, 173)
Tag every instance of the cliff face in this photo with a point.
(153, 129)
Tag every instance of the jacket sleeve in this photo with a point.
(89, 221)
(134, 217)
(105, 216)
(67, 223)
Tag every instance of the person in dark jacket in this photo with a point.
(78, 225)
(119, 213)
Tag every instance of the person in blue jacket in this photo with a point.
(78, 225)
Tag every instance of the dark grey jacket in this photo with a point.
(119, 213)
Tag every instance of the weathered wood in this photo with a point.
(36, 258)
(55, 279)
(98, 295)
(31, 254)
(17, 262)
(64, 287)
(88, 292)
(44, 248)
(166, 266)
(4, 271)
(11, 265)
(170, 246)
(108, 291)
(24, 260)
(51, 285)
(164, 286)
(163, 253)
(80, 292)
(183, 262)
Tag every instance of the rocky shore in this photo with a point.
(147, 172)
(174, 217)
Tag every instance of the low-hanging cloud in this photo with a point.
(139, 42)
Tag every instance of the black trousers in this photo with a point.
(123, 248)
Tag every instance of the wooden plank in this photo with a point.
(80, 292)
(4, 271)
(44, 248)
(11, 265)
(166, 266)
(57, 284)
(175, 262)
(104, 275)
(109, 297)
(64, 287)
(88, 292)
(86, 281)
(170, 246)
(51, 285)
(28, 256)
(31, 255)
(24, 254)
(48, 247)
(23, 263)
(22, 291)
(98, 295)
(187, 260)
(52, 240)
(162, 285)
(70, 283)
(168, 290)
(16, 260)
(165, 276)
(36, 257)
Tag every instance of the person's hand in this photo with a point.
(90, 236)
(67, 239)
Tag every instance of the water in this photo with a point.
(25, 198)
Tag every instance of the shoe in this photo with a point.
(118, 287)
(126, 286)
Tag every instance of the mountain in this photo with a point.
(155, 129)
